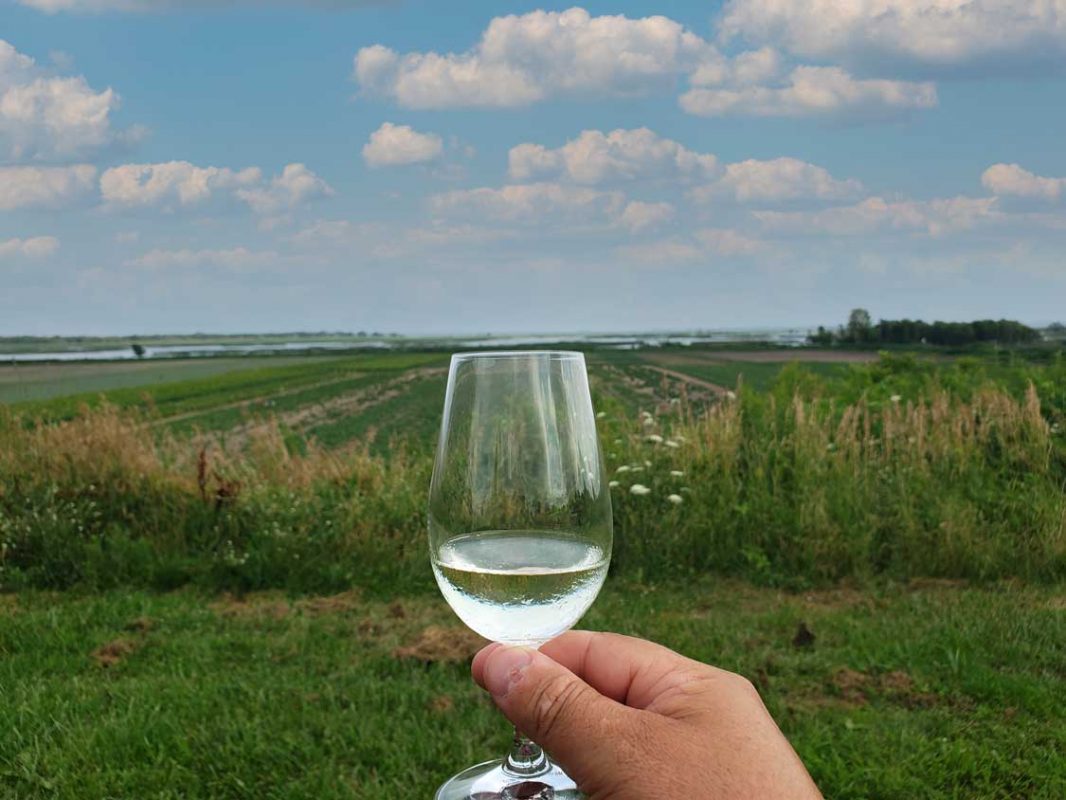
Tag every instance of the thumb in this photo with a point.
(580, 728)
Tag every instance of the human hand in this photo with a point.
(631, 720)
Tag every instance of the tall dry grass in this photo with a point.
(782, 488)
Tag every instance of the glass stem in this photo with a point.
(525, 759)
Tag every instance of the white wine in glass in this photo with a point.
(519, 525)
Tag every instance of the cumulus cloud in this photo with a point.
(530, 203)
(392, 145)
(595, 157)
(810, 91)
(46, 117)
(35, 247)
(235, 258)
(296, 185)
(776, 180)
(728, 242)
(522, 59)
(1011, 179)
(934, 217)
(44, 187)
(169, 182)
(639, 216)
(181, 183)
(927, 33)
(703, 244)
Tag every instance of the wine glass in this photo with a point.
(519, 525)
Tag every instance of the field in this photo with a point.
(213, 577)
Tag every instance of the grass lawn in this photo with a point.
(932, 690)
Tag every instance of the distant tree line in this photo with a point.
(860, 330)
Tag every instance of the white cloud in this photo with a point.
(664, 251)
(930, 33)
(775, 180)
(595, 157)
(169, 182)
(745, 69)
(810, 91)
(1011, 179)
(47, 187)
(295, 186)
(639, 216)
(522, 59)
(702, 245)
(728, 242)
(236, 258)
(391, 145)
(47, 117)
(530, 203)
(182, 183)
(934, 217)
(35, 247)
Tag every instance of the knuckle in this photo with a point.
(556, 700)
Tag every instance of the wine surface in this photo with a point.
(519, 587)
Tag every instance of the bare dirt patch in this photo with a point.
(442, 644)
(113, 653)
(857, 688)
(441, 704)
(274, 606)
(253, 606)
(341, 603)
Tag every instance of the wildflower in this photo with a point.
(671, 443)
(731, 394)
(648, 422)
(654, 438)
(623, 468)
(613, 484)
(675, 400)
(637, 468)
(639, 489)
(895, 398)
(676, 473)
(684, 490)
(617, 441)
(647, 464)
(601, 415)
(680, 438)
(675, 499)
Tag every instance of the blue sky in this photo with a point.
(236, 166)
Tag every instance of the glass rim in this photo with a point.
(557, 355)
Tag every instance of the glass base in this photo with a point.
(491, 781)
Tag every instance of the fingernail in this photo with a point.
(504, 669)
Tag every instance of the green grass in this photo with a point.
(26, 382)
(758, 376)
(412, 417)
(202, 394)
(938, 692)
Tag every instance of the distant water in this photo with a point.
(779, 336)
